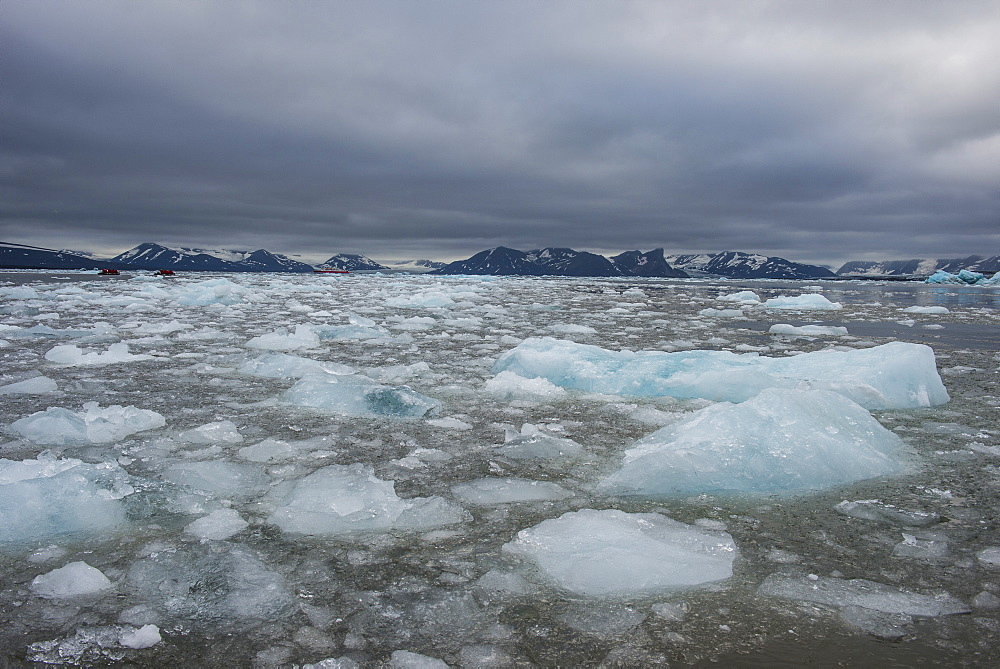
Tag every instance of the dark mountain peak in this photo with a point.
(743, 265)
(351, 262)
(650, 263)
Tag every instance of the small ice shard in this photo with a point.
(70, 354)
(449, 424)
(807, 330)
(921, 549)
(926, 310)
(359, 395)
(670, 612)
(303, 337)
(990, 556)
(872, 509)
(339, 499)
(217, 525)
(38, 385)
(720, 313)
(493, 491)
(612, 553)
(146, 636)
(404, 659)
(877, 623)
(743, 297)
(533, 444)
(220, 478)
(61, 427)
(897, 375)
(283, 365)
(781, 441)
(268, 450)
(860, 592)
(496, 584)
(986, 600)
(607, 620)
(219, 432)
(804, 302)
(73, 580)
(428, 299)
(509, 386)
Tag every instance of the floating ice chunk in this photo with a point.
(609, 619)
(670, 612)
(450, 424)
(872, 509)
(926, 310)
(70, 354)
(492, 491)
(146, 636)
(807, 330)
(612, 553)
(235, 586)
(359, 332)
(219, 432)
(61, 427)
(508, 385)
(782, 441)
(359, 395)
(423, 300)
(213, 291)
(404, 659)
(896, 375)
(990, 556)
(496, 584)
(218, 525)
(268, 450)
(860, 592)
(572, 328)
(399, 373)
(339, 499)
(877, 623)
(73, 580)
(721, 313)
(533, 444)
(303, 337)
(283, 365)
(805, 302)
(48, 497)
(333, 663)
(163, 328)
(743, 297)
(220, 478)
(963, 278)
(38, 385)
(921, 549)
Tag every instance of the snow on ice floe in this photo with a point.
(211, 291)
(303, 337)
(493, 491)
(70, 354)
(860, 592)
(781, 441)
(896, 375)
(917, 309)
(747, 297)
(807, 330)
(340, 499)
(510, 386)
(805, 302)
(48, 497)
(38, 385)
(72, 580)
(57, 426)
(358, 395)
(612, 553)
(283, 365)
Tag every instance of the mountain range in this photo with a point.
(919, 266)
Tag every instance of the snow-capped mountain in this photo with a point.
(503, 261)
(157, 256)
(351, 262)
(36, 257)
(920, 266)
(651, 263)
(421, 265)
(740, 265)
(567, 262)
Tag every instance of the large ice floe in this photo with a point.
(359, 395)
(613, 553)
(340, 499)
(896, 375)
(781, 441)
(57, 426)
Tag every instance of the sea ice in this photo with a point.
(57, 426)
(427, 299)
(339, 499)
(805, 302)
(963, 278)
(73, 580)
(926, 310)
(492, 491)
(283, 365)
(268, 450)
(38, 385)
(534, 444)
(807, 330)
(146, 636)
(743, 297)
(872, 509)
(508, 385)
(70, 354)
(212, 291)
(859, 592)
(404, 659)
(217, 525)
(781, 441)
(219, 432)
(897, 375)
(220, 478)
(303, 337)
(358, 395)
(47, 497)
(612, 553)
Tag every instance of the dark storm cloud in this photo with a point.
(818, 131)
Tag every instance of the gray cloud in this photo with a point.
(821, 131)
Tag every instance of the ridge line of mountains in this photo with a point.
(498, 261)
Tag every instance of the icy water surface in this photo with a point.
(282, 470)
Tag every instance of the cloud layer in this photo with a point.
(819, 131)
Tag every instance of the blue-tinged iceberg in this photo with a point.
(897, 375)
(963, 278)
(781, 441)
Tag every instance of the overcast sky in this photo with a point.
(816, 131)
